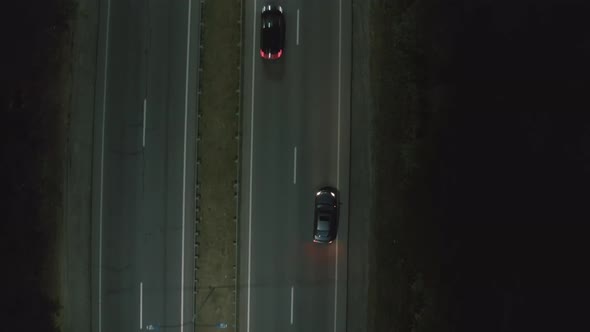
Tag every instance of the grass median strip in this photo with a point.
(217, 172)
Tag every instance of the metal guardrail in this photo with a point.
(238, 166)
(197, 183)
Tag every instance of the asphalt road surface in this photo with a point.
(296, 139)
(143, 197)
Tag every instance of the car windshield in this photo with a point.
(325, 200)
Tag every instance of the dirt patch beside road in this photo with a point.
(34, 102)
(403, 279)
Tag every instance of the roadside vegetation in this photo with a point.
(33, 101)
(481, 140)
(404, 291)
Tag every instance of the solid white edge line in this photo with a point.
(188, 44)
(338, 152)
(144, 107)
(292, 293)
(297, 27)
(101, 195)
(339, 92)
(141, 305)
(295, 165)
(251, 162)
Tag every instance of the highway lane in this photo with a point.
(145, 150)
(297, 103)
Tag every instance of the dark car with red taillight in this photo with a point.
(272, 32)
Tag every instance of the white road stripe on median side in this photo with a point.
(338, 154)
(144, 107)
(104, 100)
(292, 293)
(295, 165)
(297, 27)
(251, 162)
(141, 305)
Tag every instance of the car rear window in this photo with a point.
(324, 223)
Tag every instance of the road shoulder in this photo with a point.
(361, 171)
(76, 243)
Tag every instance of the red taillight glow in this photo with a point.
(271, 56)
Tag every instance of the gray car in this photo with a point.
(325, 221)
